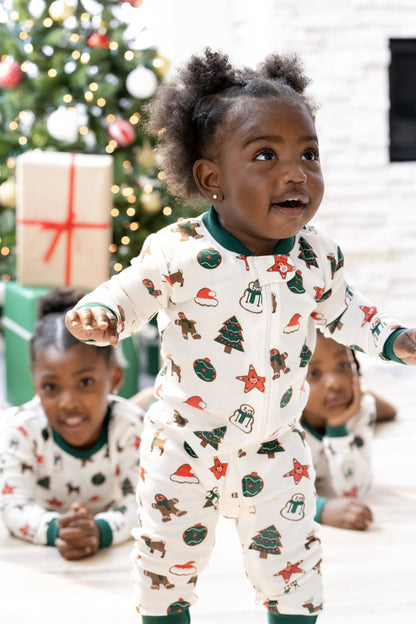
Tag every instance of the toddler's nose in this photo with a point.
(67, 400)
(294, 172)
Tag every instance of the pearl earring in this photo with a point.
(215, 197)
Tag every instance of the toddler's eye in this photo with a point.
(85, 382)
(313, 374)
(311, 154)
(265, 155)
(345, 366)
(49, 387)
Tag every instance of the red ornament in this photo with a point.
(122, 131)
(10, 74)
(98, 41)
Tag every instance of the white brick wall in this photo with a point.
(370, 204)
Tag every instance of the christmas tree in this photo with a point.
(231, 335)
(213, 437)
(270, 448)
(267, 542)
(73, 79)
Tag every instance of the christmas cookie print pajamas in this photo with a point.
(237, 332)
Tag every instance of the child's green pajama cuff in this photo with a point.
(281, 618)
(175, 618)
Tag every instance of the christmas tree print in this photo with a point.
(305, 356)
(270, 448)
(307, 254)
(213, 437)
(296, 283)
(127, 487)
(336, 324)
(267, 542)
(231, 335)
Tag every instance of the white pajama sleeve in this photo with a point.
(122, 515)
(136, 294)
(21, 514)
(352, 319)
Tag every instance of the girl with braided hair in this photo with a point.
(70, 459)
(223, 436)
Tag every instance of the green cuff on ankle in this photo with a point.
(174, 618)
(281, 618)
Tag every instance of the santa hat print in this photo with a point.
(184, 474)
(196, 401)
(206, 297)
(293, 324)
(184, 569)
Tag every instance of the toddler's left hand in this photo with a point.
(404, 346)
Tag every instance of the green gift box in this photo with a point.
(19, 317)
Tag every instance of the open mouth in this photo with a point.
(290, 203)
(72, 421)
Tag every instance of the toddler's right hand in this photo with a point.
(346, 513)
(93, 323)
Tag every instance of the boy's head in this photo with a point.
(246, 141)
(72, 379)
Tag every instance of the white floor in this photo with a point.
(369, 577)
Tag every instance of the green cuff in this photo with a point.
(174, 618)
(106, 533)
(336, 432)
(52, 532)
(281, 618)
(388, 346)
(320, 502)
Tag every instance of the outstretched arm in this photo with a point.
(404, 346)
(93, 323)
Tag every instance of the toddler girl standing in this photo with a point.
(237, 291)
(70, 462)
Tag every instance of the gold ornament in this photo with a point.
(60, 10)
(146, 156)
(161, 65)
(151, 202)
(8, 193)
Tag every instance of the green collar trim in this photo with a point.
(85, 453)
(311, 430)
(230, 242)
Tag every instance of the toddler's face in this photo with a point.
(330, 376)
(73, 386)
(269, 172)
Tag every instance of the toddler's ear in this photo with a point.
(207, 179)
(117, 376)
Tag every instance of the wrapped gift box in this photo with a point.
(19, 317)
(63, 218)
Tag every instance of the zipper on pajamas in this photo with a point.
(267, 334)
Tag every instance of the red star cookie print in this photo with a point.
(252, 380)
(298, 471)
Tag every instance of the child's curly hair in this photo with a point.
(50, 328)
(187, 115)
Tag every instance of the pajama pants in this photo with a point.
(268, 488)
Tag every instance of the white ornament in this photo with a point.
(64, 124)
(141, 83)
